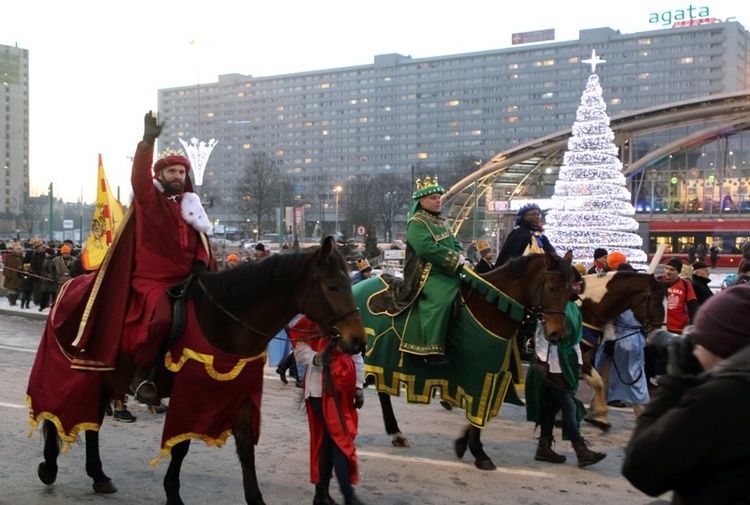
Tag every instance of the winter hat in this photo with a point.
(49, 251)
(675, 263)
(232, 257)
(614, 259)
(523, 210)
(171, 160)
(65, 249)
(599, 252)
(36, 242)
(699, 264)
(483, 247)
(260, 247)
(721, 325)
(581, 268)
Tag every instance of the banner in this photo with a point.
(107, 217)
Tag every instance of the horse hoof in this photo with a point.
(485, 464)
(602, 425)
(460, 446)
(105, 487)
(46, 475)
(400, 442)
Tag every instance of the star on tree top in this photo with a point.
(594, 61)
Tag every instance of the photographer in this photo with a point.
(691, 438)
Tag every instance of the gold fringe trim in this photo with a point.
(67, 438)
(208, 362)
(166, 450)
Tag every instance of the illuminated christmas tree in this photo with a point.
(591, 203)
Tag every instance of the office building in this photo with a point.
(400, 114)
(14, 78)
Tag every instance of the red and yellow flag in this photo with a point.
(107, 217)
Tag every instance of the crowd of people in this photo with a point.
(687, 427)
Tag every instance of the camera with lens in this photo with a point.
(677, 351)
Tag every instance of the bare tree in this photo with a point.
(258, 191)
(32, 210)
(392, 200)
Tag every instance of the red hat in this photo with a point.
(171, 160)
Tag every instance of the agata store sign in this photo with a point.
(691, 16)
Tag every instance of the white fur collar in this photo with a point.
(191, 210)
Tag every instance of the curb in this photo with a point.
(27, 315)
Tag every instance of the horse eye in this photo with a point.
(332, 287)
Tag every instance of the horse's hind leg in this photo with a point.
(481, 460)
(391, 424)
(172, 477)
(461, 443)
(243, 430)
(47, 470)
(102, 483)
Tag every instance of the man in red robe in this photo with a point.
(333, 390)
(161, 242)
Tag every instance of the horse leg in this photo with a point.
(172, 477)
(481, 460)
(243, 430)
(461, 443)
(47, 470)
(597, 414)
(391, 424)
(102, 483)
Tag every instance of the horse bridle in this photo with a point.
(316, 334)
(539, 311)
(645, 327)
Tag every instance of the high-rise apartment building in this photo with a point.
(326, 127)
(14, 126)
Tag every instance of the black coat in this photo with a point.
(702, 291)
(692, 437)
(518, 240)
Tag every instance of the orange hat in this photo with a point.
(232, 257)
(614, 259)
(581, 268)
(65, 249)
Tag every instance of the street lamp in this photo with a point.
(337, 190)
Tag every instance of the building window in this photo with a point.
(686, 59)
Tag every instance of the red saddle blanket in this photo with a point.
(209, 388)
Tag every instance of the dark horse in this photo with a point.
(484, 362)
(237, 311)
(605, 297)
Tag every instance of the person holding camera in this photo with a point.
(691, 438)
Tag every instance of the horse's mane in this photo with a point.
(516, 266)
(250, 282)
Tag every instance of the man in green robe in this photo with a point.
(439, 257)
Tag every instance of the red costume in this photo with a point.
(678, 295)
(344, 385)
(154, 249)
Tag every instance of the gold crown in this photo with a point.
(363, 264)
(427, 182)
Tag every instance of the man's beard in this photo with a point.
(173, 187)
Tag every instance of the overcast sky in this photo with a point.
(96, 66)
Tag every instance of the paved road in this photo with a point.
(427, 473)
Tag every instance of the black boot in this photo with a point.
(322, 497)
(353, 500)
(284, 366)
(544, 451)
(143, 389)
(585, 455)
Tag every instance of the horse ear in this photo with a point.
(568, 256)
(327, 244)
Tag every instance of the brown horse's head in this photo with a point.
(610, 294)
(553, 287)
(329, 301)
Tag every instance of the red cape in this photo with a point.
(344, 385)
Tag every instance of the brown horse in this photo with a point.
(484, 360)
(237, 312)
(604, 298)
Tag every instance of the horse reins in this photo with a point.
(540, 311)
(317, 335)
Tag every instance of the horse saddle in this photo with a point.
(177, 294)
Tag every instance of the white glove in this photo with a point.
(461, 260)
